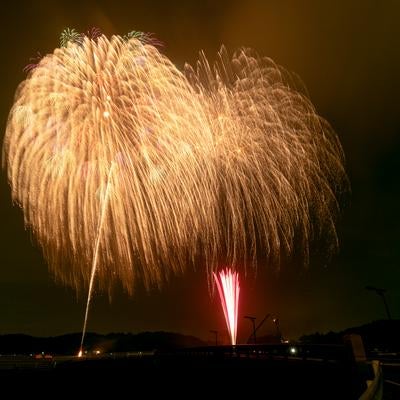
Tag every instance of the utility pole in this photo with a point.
(216, 336)
(381, 293)
(253, 320)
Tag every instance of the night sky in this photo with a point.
(347, 54)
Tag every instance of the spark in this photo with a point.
(228, 289)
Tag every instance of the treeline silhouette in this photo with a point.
(113, 342)
(381, 335)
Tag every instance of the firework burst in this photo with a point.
(69, 35)
(117, 156)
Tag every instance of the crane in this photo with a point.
(278, 329)
(255, 329)
(381, 293)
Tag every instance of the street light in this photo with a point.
(253, 320)
(381, 293)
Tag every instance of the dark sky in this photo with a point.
(347, 54)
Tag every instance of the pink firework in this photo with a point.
(228, 289)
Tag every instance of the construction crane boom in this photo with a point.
(258, 327)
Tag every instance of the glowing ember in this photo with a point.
(80, 353)
(228, 289)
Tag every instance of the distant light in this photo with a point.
(293, 350)
(97, 352)
(106, 114)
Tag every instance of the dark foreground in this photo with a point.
(312, 372)
(287, 378)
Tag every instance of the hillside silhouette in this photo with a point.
(112, 342)
(378, 335)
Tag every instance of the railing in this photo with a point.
(375, 386)
(24, 363)
(325, 353)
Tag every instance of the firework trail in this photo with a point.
(213, 165)
(96, 255)
(228, 289)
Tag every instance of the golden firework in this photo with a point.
(126, 166)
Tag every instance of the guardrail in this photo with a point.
(24, 363)
(374, 390)
(325, 353)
